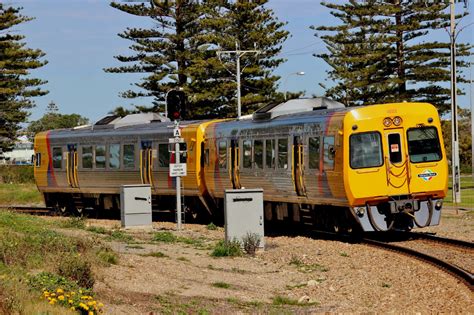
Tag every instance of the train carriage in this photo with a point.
(378, 167)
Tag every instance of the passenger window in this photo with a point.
(313, 154)
(283, 153)
(57, 158)
(247, 151)
(114, 156)
(223, 154)
(38, 159)
(129, 156)
(258, 153)
(329, 152)
(163, 155)
(100, 156)
(270, 153)
(87, 157)
(395, 149)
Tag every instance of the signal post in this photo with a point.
(177, 170)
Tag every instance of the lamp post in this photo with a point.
(288, 76)
(166, 98)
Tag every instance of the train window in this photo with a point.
(314, 156)
(395, 148)
(329, 152)
(114, 156)
(38, 159)
(129, 156)
(163, 155)
(283, 153)
(423, 145)
(365, 150)
(87, 157)
(258, 153)
(57, 158)
(270, 153)
(100, 156)
(223, 154)
(247, 151)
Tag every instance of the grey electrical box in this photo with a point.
(243, 213)
(135, 205)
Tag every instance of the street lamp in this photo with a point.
(288, 76)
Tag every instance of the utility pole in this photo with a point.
(454, 114)
(177, 169)
(238, 54)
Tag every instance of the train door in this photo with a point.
(396, 163)
(235, 164)
(71, 165)
(146, 163)
(298, 166)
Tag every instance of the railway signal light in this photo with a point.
(176, 104)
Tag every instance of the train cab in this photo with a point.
(396, 169)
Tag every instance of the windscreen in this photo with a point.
(366, 150)
(423, 145)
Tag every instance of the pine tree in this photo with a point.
(244, 25)
(16, 87)
(162, 52)
(380, 53)
(180, 52)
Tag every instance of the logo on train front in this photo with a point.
(427, 175)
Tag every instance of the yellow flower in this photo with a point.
(80, 291)
(101, 305)
(60, 290)
(82, 305)
(73, 308)
(90, 313)
(73, 293)
(53, 294)
(53, 301)
(61, 297)
(90, 303)
(84, 297)
(71, 301)
(46, 294)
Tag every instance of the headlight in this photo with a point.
(360, 211)
(397, 121)
(438, 204)
(387, 122)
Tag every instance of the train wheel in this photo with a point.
(60, 209)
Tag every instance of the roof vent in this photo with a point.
(295, 106)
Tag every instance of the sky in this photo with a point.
(80, 39)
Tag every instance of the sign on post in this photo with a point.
(178, 169)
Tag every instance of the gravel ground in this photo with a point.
(325, 276)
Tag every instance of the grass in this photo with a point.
(156, 254)
(282, 300)
(303, 267)
(224, 249)
(467, 192)
(20, 194)
(222, 285)
(30, 246)
(168, 237)
(74, 223)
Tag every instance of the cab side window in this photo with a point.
(329, 152)
(313, 153)
(222, 154)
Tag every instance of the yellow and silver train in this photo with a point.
(372, 168)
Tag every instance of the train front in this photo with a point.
(395, 166)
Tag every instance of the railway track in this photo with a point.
(450, 255)
(36, 210)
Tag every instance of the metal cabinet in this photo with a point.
(135, 205)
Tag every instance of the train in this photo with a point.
(320, 164)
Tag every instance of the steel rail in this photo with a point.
(440, 239)
(459, 273)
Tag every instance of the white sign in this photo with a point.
(175, 140)
(177, 132)
(178, 169)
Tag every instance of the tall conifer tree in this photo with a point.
(16, 87)
(380, 52)
(180, 52)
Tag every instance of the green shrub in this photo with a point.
(120, 236)
(76, 268)
(282, 300)
(230, 248)
(47, 281)
(74, 223)
(251, 242)
(211, 226)
(17, 174)
(166, 237)
(107, 256)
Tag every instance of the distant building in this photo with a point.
(22, 153)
